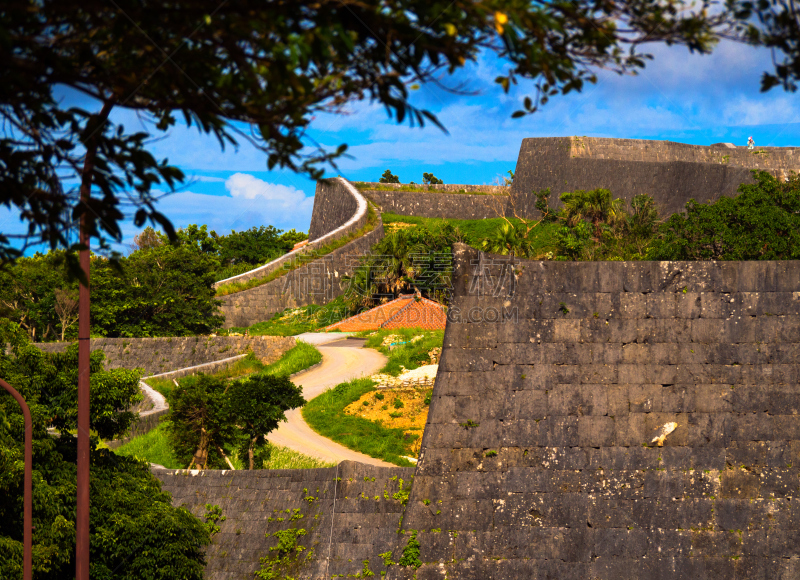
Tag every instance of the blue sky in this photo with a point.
(678, 97)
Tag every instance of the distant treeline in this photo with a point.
(161, 288)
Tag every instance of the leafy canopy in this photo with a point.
(761, 223)
(261, 72)
(135, 531)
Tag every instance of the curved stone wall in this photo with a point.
(318, 281)
(337, 198)
(672, 173)
(162, 354)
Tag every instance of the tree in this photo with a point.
(209, 417)
(597, 206)
(430, 178)
(258, 404)
(507, 241)
(199, 423)
(164, 290)
(388, 177)
(761, 223)
(66, 308)
(275, 65)
(135, 531)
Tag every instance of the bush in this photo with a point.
(761, 223)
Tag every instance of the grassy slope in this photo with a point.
(297, 320)
(475, 231)
(154, 447)
(325, 414)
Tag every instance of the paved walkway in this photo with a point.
(342, 360)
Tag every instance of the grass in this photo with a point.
(297, 320)
(418, 188)
(543, 237)
(325, 414)
(154, 447)
(233, 287)
(299, 357)
(410, 355)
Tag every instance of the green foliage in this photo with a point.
(409, 355)
(135, 531)
(325, 414)
(541, 239)
(411, 552)
(301, 356)
(430, 178)
(165, 290)
(543, 205)
(402, 494)
(507, 240)
(256, 246)
(388, 177)
(257, 405)
(387, 559)
(212, 516)
(761, 223)
(208, 416)
(598, 227)
(199, 423)
(404, 261)
(152, 447)
(490, 453)
(286, 560)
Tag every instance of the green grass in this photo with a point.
(543, 237)
(301, 356)
(154, 447)
(234, 287)
(409, 355)
(298, 358)
(418, 188)
(297, 320)
(325, 414)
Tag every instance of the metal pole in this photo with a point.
(28, 502)
(84, 443)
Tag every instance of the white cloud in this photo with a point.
(206, 178)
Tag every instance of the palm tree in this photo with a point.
(598, 206)
(506, 241)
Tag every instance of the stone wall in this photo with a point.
(440, 205)
(348, 512)
(159, 355)
(330, 209)
(316, 282)
(334, 204)
(555, 383)
(672, 173)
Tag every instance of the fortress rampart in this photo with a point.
(672, 173)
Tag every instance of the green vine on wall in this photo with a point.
(212, 516)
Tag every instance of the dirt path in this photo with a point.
(340, 362)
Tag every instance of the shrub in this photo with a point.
(761, 223)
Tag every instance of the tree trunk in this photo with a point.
(200, 458)
(251, 451)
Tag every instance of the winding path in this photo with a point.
(341, 361)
